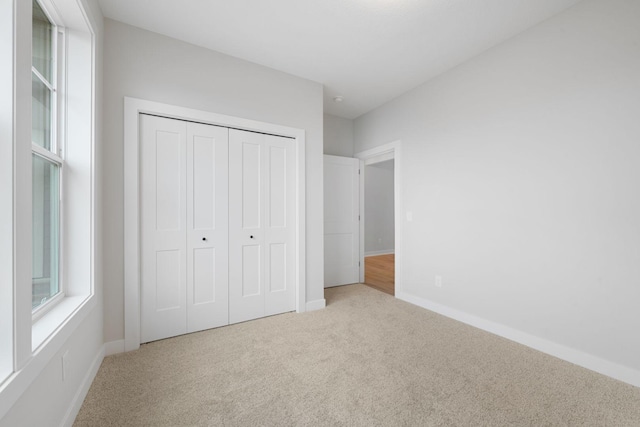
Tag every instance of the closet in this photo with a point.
(217, 226)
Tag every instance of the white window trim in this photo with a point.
(7, 133)
(132, 109)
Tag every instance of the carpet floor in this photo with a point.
(368, 359)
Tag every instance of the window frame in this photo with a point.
(55, 153)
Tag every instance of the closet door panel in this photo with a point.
(280, 224)
(246, 233)
(207, 227)
(163, 217)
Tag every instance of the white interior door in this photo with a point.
(341, 220)
(184, 227)
(261, 225)
(164, 225)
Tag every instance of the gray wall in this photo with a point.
(379, 228)
(146, 65)
(338, 136)
(521, 168)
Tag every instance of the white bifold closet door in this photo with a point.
(184, 227)
(193, 277)
(261, 225)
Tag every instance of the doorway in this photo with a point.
(379, 234)
(381, 225)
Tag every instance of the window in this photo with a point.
(47, 183)
(47, 164)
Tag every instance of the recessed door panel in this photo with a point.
(204, 182)
(204, 276)
(251, 185)
(168, 170)
(168, 273)
(277, 187)
(278, 267)
(251, 280)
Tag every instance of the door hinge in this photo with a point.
(358, 217)
(358, 171)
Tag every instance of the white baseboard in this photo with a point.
(594, 363)
(318, 304)
(382, 252)
(113, 347)
(78, 399)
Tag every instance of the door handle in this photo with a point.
(251, 237)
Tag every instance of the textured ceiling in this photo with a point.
(369, 51)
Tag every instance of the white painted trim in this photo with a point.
(379, 158)
(83, 389)
(392, 150)
(22, 186)
(301, 224)
(362, 220)
(133, 107)
(602, 366)
(382, 252)
(113, 347)
(318, 304)
(9, 137)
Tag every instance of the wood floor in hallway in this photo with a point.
(379, 273)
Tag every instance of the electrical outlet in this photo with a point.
(65, 365)
(438, 281)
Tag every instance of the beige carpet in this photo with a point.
(366, 360)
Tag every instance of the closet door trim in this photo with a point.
(133, 107)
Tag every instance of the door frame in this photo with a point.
(133, 107)
(391, 150)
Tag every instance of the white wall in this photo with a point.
(338, 136)
(41, 397)
(379, 230)
(521, 168)
(146, 65)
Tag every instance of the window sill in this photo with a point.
(45, 326)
